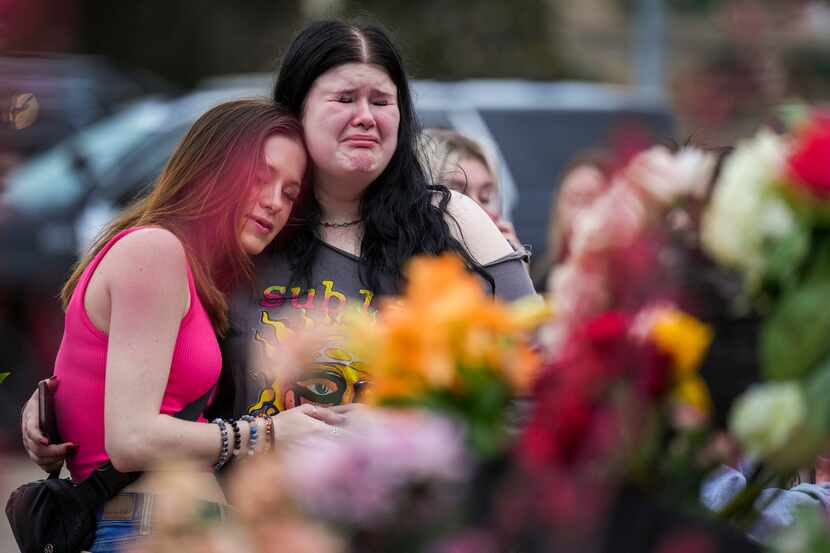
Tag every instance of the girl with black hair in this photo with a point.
(370, 209)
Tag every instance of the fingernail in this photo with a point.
(44, 441)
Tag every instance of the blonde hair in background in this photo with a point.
(443, 149)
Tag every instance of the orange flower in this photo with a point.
(443, 324)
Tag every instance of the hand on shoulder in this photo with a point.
(475, 229)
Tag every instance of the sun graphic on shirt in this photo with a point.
(334, 378)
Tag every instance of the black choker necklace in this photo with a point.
(340, 225)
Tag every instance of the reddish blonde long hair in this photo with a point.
(200, 197)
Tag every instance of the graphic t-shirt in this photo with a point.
(265, 321)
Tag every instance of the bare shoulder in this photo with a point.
(150, 246)
(474, 228)
(153, 255)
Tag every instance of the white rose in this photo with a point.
(765, 418)
(694, 169)
(667, 177)
(745, 209)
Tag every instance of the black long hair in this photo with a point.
(401, 218)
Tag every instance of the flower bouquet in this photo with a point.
(769, 220)
(447, 347)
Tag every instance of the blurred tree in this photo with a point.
(186, 40)
(469, 38)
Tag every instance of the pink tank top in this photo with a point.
(81, 362)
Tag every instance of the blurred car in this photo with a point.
(52, 208)
(55, 204)
(50, 97)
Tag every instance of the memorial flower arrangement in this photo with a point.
(448, 347)
(619, 406)
(769, 219)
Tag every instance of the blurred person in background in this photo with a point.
(585, 179)
(370, 209)
(465, 165)
(145, 305)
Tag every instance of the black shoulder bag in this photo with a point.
(57, 516)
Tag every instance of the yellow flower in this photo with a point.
(682, 336)
(693, 392)
(530, 312)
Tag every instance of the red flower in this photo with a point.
(607, 328)
(654, 376)
(809, 164)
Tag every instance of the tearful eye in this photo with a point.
(381, 102)
(345, 99)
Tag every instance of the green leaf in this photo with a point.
(809, 211)
(813, 431)
(797, 335)
(785, 257)
(794, 114)
(4, 376)
(818, 399)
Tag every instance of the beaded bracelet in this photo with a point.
(225, 452)
(252, 437)
(237, 437)
(269, 432)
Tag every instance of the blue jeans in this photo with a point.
(127, 518)
(121, 522)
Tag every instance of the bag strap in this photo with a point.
(106, 482)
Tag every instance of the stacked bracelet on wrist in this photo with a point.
(224, 452)
(269, 432)
(237, 437)
(252, 436)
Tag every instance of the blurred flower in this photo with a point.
(684, 337)
(745, 211)
(808, 164)
(294, 534)
(766, 417)
(568, 426)
(180, 509)
(666, 178)
(365, 479)
(253, 501)
(530, 312)
(468, 541)
(615, 219)
(182, 521)
(694, 393)
(686, 340)
(443, 326)
(579, 290)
